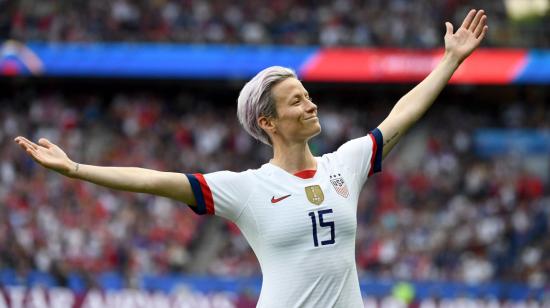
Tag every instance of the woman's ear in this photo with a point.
(267, 124)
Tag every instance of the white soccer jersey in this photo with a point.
(302, 230)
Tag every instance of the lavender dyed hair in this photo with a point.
(255, 100)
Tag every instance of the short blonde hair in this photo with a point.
(255, 100)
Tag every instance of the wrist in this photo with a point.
(73, 169)
(452, 60)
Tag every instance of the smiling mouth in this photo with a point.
(314, 117)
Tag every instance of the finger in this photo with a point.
(29, 143)
(483, 33)
(449, 27)
(468, 20)
(476, 20)
(45, 143)
(480, 26)
(23, 139)
(33, 153)
(23, 145)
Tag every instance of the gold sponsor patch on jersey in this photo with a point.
(315, 194)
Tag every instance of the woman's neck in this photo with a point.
(293, 158)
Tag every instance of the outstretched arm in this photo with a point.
(167, 184)
(458, 46)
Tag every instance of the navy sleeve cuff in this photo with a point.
(377, 147)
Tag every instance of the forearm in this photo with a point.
(167, 184)
(121, 178)
(415, 103)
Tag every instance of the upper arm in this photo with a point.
(362, 156)
(173, 185)
(222, 193)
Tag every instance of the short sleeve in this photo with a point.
(222, 193)
(362, 155)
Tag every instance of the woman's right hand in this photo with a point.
(47, 154)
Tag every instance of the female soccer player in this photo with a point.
(298, 212)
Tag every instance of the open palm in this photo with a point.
(468, 37)
(46, 153)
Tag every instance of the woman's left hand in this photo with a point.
(465, 40)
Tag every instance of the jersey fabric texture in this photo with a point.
(301, 230)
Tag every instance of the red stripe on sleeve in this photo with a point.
(373, 156)
(207, 194)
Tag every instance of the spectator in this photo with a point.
(394, 23)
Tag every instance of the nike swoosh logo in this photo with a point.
(275, 200)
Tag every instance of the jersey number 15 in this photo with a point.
(322, 224)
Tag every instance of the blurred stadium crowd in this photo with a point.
(402, 23)
(435, 212)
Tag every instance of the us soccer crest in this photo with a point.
(315, 194)
(339, 185)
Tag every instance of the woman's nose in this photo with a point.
(311, 105)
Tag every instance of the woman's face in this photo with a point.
(296, 114)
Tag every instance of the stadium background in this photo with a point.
(459, 216)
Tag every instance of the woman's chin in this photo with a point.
(316, 131)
